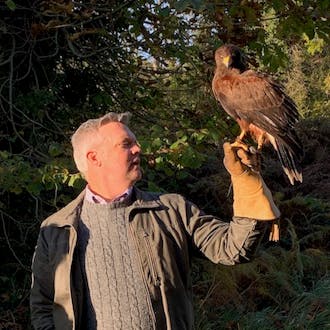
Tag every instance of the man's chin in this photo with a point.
(137, 175)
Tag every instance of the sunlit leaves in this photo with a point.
(314, 45)
(172, 156)
(18, 176)
(327, 84)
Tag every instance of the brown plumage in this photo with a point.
(260, 106)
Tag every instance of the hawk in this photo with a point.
(260, 106)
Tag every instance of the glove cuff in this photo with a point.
(252, 198)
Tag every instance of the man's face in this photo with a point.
(119, 154)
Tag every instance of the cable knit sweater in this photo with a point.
(116, 295)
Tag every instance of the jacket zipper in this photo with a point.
(143, 278)
(71, 249)
(151, 260)
(156, 279)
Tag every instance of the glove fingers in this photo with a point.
(229, 153)
(231, 160)
(244, 156)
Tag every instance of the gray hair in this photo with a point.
(88, 134)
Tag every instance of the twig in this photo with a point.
(9, 244)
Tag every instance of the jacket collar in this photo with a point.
(70, 214)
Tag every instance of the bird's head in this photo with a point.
(231, 57)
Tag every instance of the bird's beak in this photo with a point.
(226, 61)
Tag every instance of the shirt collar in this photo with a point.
(97, 199)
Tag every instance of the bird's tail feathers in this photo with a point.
(290, 154)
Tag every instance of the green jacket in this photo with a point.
(166, 229)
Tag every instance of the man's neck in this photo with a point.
(106, 197)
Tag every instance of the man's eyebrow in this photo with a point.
(126, 139)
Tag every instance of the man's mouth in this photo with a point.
(135, 162)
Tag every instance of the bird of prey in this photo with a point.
(260, 106)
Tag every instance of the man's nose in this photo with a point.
(136, 148)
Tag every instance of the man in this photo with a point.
(119, 258)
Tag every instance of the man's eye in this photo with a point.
(127, 144)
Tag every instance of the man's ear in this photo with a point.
(92, 157)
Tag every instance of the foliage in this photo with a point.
(307, 81)
(284, 287)
(62, 62)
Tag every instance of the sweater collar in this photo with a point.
(94, 198)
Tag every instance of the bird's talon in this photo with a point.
(253, 150)
(239, 144)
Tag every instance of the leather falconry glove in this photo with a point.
(252, 198)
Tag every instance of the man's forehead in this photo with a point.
(116, 130)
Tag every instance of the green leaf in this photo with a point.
(11, 4)
(168, 171)
(278, 5)
(181, 5)
(165, 12)
(16, 190)
(159, 160)
(73, 179)
(179, 142)
(314, 45)
(4, 154)
(181, 175)
(55, 149)
(152, 186)
(34, 188)
(197, 4)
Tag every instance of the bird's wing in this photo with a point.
(257, 99)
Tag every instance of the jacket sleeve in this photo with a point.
(222, 242)
(42, 289)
